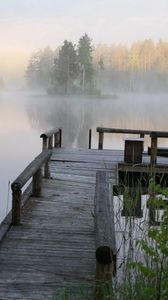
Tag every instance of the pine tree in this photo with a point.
(39, 68)
(66, 68)
(85, 50)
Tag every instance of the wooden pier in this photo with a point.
(60, 234)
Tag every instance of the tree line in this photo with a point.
(83, 67)
(69, 69)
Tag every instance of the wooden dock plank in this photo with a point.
(54, 247)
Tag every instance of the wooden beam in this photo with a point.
(45, 143)
(49, 133)
(104, 221)
(125, 131)
(60, 138)
(50, 142)
(153, 150)
(101, 137)
(16, 203)
(160, 134)
(37, 183)
(90, 138)
(32, 168)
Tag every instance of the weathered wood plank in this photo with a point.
(56, 241)
(104, 221)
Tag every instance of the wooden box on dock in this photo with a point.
(133, 150)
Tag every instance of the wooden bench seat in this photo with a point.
(133, 150)
(161, 151)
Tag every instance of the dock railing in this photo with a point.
(33, 170)
(154, 135)
(51, 139)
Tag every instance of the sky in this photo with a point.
(27, 25)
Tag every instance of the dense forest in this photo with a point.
(84, 68)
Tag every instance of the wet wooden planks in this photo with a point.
(55, 245)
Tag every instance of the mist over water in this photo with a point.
(24, 115)
(19, 143)
(76, 115)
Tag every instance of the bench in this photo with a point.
(133, 150)
(160, 151)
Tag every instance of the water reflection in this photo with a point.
(76, 115)
(25, 115)
(19, 143)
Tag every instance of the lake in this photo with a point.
(24, 115)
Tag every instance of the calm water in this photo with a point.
(23, 116)
(19, 143)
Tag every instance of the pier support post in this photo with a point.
(37, 183)
(44, 144)
(153, 150)
(103, 280)
(152, 206)
(101, 137)
(60, 138)
(16, 204)
(105, 235)
(90, 138)
(56, 140)
(50, 142)
(46, 166)
(47, 174)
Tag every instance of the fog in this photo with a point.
(76, 115)
(19, 143)
(24, 115)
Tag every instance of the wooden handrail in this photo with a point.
(105, 231)
(34, 169)
(6, 223)
(154, 135)
(102, 130)
(50, 136)
(129, 131)
(49, 133)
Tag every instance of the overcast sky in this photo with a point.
(28, 25)
(31, 24)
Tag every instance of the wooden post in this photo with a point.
(44, 145)
(142, 136)
(50, 142)
(16, 204)
(46, 166)
(153, 150)
(90, 138)
(101, 137)
(47, 174)
(103, 281)
(37, 183)
(105, 234)
(152, 207)
(60, 138)
(56, 140)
